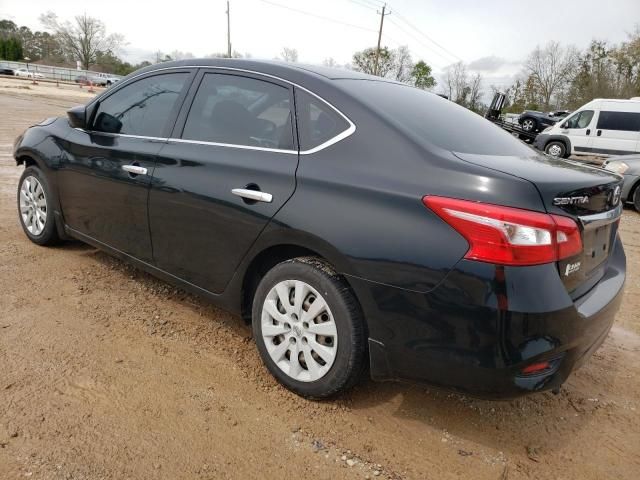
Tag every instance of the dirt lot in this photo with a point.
(107, 373)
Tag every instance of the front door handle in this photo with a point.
(255, 195)
(135, 169)
(599, 132)
(588, 131)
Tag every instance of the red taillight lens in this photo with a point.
(536, 368)
(506, 235)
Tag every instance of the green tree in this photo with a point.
(365, 61)
(421, 76)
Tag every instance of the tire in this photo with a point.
(636, 198)
(35, 199)
(529, 124)
(555, 149)
(337, 315)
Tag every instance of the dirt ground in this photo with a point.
(107, 373)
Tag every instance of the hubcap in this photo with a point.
(554, 150)
(299, 330)
(527, 125)
(33, 205)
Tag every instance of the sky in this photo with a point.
(492, 36)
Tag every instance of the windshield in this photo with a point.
(432, 118)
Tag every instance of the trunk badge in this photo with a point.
(571, 200)
(571, 268)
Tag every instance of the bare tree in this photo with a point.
(329, 62)
(455, 82)
(83, 38)
(551, 68)
(403, 64)
(289, 54)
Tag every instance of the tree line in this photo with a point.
(553, 76)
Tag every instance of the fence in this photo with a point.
(52, 73)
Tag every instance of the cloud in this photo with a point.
(488, 64)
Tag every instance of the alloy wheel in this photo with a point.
(299, 330)
(527, 125)
(33, 205)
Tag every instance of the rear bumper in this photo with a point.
(483, 324)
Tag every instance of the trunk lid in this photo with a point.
(588, 195)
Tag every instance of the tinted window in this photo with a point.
(579, 120)
(428, 117)
(317, 121)
(240, 111)
(619, 121)
(141, 108)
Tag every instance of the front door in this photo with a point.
(105, 177)
(229, 168)
(578, 127)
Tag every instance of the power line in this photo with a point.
(362, 4)
(421, 42)
(411, 25)
(322, 17)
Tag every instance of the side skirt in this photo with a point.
(220, 300)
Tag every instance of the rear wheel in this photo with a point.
(308, 328)
(555, 149)
(34, 207)
(529, 125)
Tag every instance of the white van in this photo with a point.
(602, 127)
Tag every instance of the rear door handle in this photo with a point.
(255, 195)
(599, 132)
(135, 169)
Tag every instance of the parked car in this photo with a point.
(6, 71)
(23, 72)
(533, 121)
(95, 79)
(601, 127)
(629, 167)
(344, 216)
(108, 79)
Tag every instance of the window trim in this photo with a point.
(341, 136)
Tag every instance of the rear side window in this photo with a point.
(579, 120)
(625, 121)
(236, 110)
(428, 117)
(141, 108)
(317, 122)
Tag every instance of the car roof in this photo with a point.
(282, 69)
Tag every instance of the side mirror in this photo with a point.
(107, 123)
(77, 117)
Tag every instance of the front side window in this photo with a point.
(625, 121)
(141, 108)
(580, 120)
(317, 121)
(235, 110)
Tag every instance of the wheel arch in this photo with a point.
(268, 254)
(559, 138)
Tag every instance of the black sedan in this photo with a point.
(358, 223)
(534, 121)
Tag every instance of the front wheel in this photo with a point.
(308, 328)
(555, 149)
(35, 199)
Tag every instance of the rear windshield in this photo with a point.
(434, 119)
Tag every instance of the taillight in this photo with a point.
(506, 235)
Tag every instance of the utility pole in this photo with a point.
(382, 15)
(228, 31)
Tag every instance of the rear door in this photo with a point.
(228, 168)
(617, 132)
(579, 128)
(105, 176)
